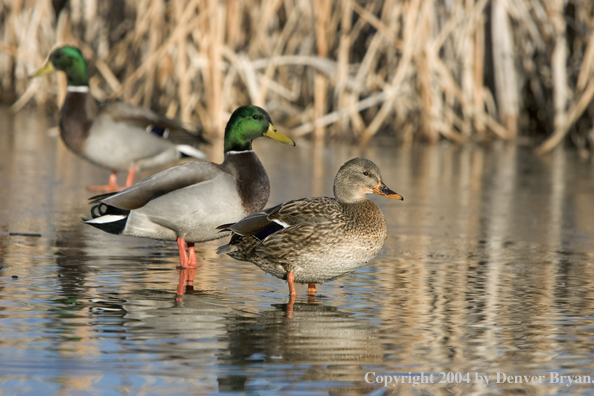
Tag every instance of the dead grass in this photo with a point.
(463, 70)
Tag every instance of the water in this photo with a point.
(488, 268)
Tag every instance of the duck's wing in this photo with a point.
(129, 114)
(172, 179)
(304, 211)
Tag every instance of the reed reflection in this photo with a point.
(484, 274)
(487, 267)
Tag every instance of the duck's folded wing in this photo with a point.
(175, 178)
(292, 213)
(306, 211)
(289, 242)
(173, 130)
(251, 224)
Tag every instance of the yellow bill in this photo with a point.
(45, 69)
(272, 133)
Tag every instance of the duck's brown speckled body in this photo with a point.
(315, 240)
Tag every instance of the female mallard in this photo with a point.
(187, 202)
(315, 240)
(114, 135)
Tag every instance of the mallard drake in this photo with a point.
(187, 202)
(315, 240)
(118, 136)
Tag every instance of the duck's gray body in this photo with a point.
(187, 201)
(114, 135)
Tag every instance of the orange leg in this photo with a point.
(290, 306)
(187, 268)
(191, 255)
(311, 289)
(190, 279)
(181, 286)
(291, 282)
(183, 257)
(186, 260)
(111, 186)
(130, 179)
(186, 276)
(191, 264)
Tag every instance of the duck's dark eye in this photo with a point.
(256, 117)
(366, 173)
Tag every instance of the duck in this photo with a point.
(316, 240)
(187, 202)
(115, 135)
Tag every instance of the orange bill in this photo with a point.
(382, 189)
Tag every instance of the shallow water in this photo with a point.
(488, 268)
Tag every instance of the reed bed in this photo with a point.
(461, 70)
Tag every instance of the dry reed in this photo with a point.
(463, 70)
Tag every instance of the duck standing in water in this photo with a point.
(315, 240)
(114, 135)
(187, 202)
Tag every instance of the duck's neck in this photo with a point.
(77, 88)
(76, 73)
(364, 212)
(253, 185)
(237, 145)
(78, 111)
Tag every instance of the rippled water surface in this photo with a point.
(488, 270)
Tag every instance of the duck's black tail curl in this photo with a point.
(108, 218)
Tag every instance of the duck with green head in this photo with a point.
(114, 135)
(187, 202)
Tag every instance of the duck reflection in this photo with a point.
(305, 333)
(186, 282)
(327, 345)
(317, 342)
(201, 319)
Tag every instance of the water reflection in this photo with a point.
(317, 342)
(487, 268)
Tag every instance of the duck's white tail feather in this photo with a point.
(190, 151)
(105, 219)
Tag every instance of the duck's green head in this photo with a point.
(248, 123)
(70, 61)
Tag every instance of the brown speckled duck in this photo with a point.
(315, 240)
(117, 136)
